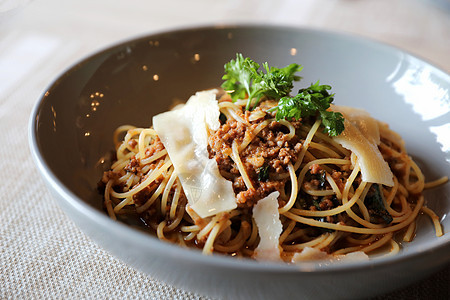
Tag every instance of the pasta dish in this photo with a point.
(251, 171)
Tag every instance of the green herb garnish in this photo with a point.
(244, 79)
(375, 204)
(263, 173)
(312, 101)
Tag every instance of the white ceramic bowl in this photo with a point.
(71, 131)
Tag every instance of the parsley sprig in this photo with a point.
(309, 102)
(244, 79)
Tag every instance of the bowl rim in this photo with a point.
(150, 242)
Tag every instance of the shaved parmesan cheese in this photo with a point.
(314, 254)
(367, 125)
(309, 254)
(267, 219)
(361, 136)
(353, 256)
(184, 134)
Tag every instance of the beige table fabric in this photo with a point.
(42, 253)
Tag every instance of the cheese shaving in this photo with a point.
(184, 134)
(267, 219)
(362, 136)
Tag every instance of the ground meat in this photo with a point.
(108, 175)
(315, 169)
(339, 179)
(250, 197)
(310, 185)
(133, 166)
(132, 143)
(239, 184)
(155, 147)
(270, 150)
(326, 204)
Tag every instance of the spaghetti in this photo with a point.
(323, 201)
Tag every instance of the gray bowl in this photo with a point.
(71, 135)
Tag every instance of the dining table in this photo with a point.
(43, 254)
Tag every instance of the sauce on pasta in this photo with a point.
(296, 193)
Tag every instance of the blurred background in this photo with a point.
(31, 31)
(39, 39)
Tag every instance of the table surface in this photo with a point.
(42, 253)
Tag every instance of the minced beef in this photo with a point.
(270, 150)
(155, 147)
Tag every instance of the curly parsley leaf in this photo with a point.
(244, 79)
(239, 75)
(277, 83)
(311, 101)
(333, 122)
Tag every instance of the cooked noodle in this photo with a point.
(323, 202)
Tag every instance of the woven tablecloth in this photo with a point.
(42, 253)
